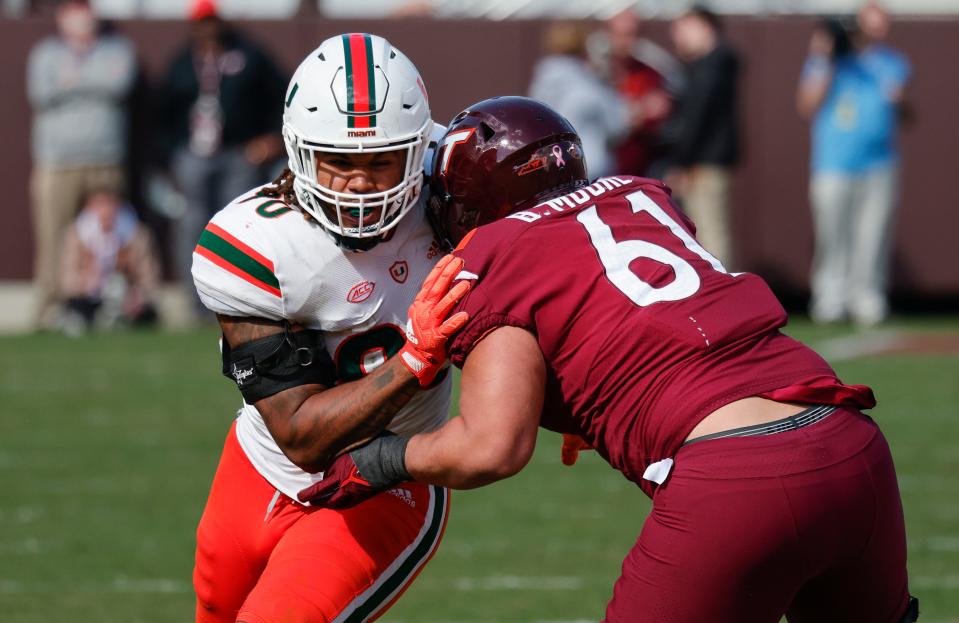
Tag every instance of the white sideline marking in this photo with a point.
(937, 581)
(26, 514)
(514, 582)
(148, 585)
(9, 586)
(946, 511)
(943, 543)
(928, 482)
(858, 345)
(119, 585)
(24, 547)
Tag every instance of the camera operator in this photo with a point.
(852, 89)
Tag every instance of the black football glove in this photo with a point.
(359, 475)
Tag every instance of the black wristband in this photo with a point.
(382, 462)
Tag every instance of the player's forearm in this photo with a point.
(456, 457)
(501, 397)
(313, 423)
(338, 419)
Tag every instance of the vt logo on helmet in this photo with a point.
(356, 95)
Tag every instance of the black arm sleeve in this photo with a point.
(269, 365)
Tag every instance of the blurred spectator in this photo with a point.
(648, 77)
(704, 128)
(414, 9)
(222, 112)
(78, 82)
(14, 8)
(565, 80)
(110, 270)
(854, 98)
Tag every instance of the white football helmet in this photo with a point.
(356, 94)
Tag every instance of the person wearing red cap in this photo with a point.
(202, 9)
(221, 108)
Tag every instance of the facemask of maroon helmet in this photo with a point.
(498, 157)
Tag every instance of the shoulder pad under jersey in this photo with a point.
(234, 262)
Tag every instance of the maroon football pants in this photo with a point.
(808, 523)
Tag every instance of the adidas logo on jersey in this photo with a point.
(404, 494)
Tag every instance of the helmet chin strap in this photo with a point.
(359, 245)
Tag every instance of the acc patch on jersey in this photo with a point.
(360, 292)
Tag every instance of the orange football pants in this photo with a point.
(263, 558)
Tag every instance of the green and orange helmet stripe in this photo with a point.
(360, 81)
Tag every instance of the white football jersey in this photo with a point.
(259, 257)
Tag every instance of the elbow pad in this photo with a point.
(271, 364)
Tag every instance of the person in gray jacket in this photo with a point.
(78, 83)
(564, 80)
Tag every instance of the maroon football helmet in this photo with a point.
(498, 157)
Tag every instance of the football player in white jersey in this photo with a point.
(311, 278)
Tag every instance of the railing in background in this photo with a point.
(482, 9)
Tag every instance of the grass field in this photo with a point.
(108, 444)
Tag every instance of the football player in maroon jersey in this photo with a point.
(595, 312)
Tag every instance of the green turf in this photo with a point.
(108, 444)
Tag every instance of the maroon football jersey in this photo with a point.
(644, 333)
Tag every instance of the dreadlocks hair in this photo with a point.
(282, 188)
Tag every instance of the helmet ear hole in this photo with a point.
(486, 132)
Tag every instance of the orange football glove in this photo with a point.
(572, 445)
(426, 332)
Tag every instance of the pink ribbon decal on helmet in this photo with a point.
(558, 154)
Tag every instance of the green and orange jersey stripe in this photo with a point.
(360, 81)
(234, 256)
